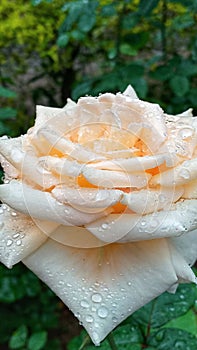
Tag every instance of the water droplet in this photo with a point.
(102, 312)
(96, 298)
(9, 242)
(184, 173)
(19, 242)
(89, 319)
(186, 133)
(104, 226)
(16, 235)
(114, 319)
(129, 283)
(96, 338)
(84, 304)
(13, 213)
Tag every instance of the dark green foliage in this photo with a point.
(166, 323)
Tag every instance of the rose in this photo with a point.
(100, 201)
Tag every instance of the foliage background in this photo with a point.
(52, 50)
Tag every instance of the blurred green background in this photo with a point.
(52, 50)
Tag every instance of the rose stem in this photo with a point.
(111, 341)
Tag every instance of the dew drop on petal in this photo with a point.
(89, 319)
(102, 312)
(84, 304)
(96, 298)
(9, 242)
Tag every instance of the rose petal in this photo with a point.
(190, 190)
(110, 179)
(182, 174)
(133, 227)
(27, 164)
(151, 200)
(23, 198)
(61, 166)
(186, 244)
(68, 147)
(130, 92)
(132, 164)
(82, 197)
(103, 286)
(19, 236)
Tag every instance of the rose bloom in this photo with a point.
(100, 202)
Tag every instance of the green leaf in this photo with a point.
(183, 21)
(162, 73)
(146, 7)
(37, 341)
(128, 50)
(18, 338)
(86, 21)
(179, 85)
(7, 113)
(63, 40)
(10, 289)
(126, 337)
(187, 68)
(5, 92)
(187, 322)
(167, 307)
(168, 339)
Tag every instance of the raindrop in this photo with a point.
(96, 298)
(19, 242)
(89, 319)
(114, 319)
(102, 312)
(9, 242)
(84, 304)
(13, 213)
(186, 133)
(104, 226)
(185, 174)
(16, 235)
(129, 283)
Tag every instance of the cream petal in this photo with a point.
(133, 227)
(61, 166)
(182, 174)
(183, 270)
(111, 179)
(190, 190)
(103, 286)
(19, 236)
(130, 92)
(27, 164)
(186, 244)
(133, 164)
(151, 200)
(83, 197)
(23, 198)
(68, 147)
(57, 118)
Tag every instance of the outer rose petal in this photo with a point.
(180, 175)
(133, 227)
(111, 179)
(186, 244)
(84, 198)
(151, 200)
(27, 164)
(103, 286)
(19, 236)
(25, 199)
